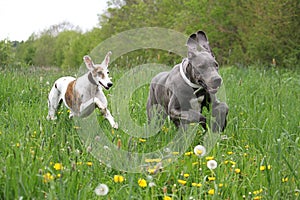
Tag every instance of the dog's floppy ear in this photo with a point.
(106, 60)
(203, 41)
(88, 62)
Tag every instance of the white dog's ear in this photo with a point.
(88, 62)
(106, 60)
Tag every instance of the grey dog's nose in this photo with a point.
(109, 84)
(217, 81)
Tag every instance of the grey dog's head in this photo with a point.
(202, 66)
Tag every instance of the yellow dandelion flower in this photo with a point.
(164, 129)
(285, 179)
(226, 162)
(58, 166)
(79, 163)
(155, 169)
(211, 191)
(269, 167)
(167, 198)
(151, 170)
(229, 152)
(152, 160)
(142, 183)
(186, 175)
(199, 150)
(209, 158)
(257, 198)
(182, 182)
(257, 191)
(89, 163)
(196, 184)
(211, 178)
(18, 144)
(31, 150)
(142, 140)
(247, 146)
(195, 163)
(188, 153)
(175, 153)
(237, 170)
(262, 168)
(58, 175)
(232, 162)
(118, 178)
(221, 185)
(48, 177)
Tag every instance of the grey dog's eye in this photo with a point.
(216, 65)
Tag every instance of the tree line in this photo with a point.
(241, 32)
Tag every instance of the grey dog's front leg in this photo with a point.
(219, 111)
(185, 116)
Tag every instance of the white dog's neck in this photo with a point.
(90, 78)
(86, 81)
(186, 80)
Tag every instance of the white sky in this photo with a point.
(20, 18)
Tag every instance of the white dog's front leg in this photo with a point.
(110, 118)
(88, 106)
(106, 113)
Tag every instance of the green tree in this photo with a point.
(6, 53)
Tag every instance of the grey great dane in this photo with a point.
(191, 85)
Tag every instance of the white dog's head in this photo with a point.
(99, 72)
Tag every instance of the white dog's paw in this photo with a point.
(115, 126)
(71, 115)
(51, 117)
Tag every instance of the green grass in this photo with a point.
(263, 142)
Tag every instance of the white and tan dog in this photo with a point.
(84, 94)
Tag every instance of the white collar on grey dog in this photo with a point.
(193, 85)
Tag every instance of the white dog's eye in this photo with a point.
(107, 72)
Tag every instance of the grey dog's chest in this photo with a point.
(200, 99)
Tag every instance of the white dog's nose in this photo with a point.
(109, 85)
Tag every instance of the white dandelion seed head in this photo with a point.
(97, 138)
(199, 150)
(152, 184)
(101, 190)
(212, 164)
(149, 177)
(89, 148)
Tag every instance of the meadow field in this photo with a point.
(257, 157)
